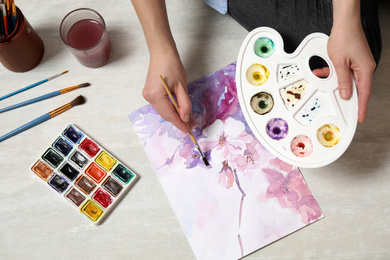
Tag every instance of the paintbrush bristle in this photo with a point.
(205, 161)
(200, 151)
(66, 71)
(78, 101)
(84, 85)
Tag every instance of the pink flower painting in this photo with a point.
(288, 186)
(247, 198)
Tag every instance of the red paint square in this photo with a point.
(90, 147)
(102, 197)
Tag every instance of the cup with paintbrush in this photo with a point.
(21, 49)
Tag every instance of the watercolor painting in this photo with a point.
(247, 198)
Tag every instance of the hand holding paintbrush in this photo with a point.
(189, 129)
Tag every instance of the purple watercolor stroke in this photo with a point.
(240, 210)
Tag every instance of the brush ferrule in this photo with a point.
(57, 75)
(66, 90)
(60, 110)
(200, 151)
(53, 77)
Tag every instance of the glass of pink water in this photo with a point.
(84, 32)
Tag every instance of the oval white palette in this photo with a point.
(296, 115)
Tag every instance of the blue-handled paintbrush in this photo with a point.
(77, 101)
(52, 94)
(32, 85)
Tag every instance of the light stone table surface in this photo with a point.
(35, 223)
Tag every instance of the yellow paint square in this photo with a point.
(91, 210)
(105, 160)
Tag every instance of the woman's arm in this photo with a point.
(164, 60)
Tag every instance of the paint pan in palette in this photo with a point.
(296, 115)
(84, 173)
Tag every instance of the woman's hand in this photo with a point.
(170, 67)
(350, 53)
